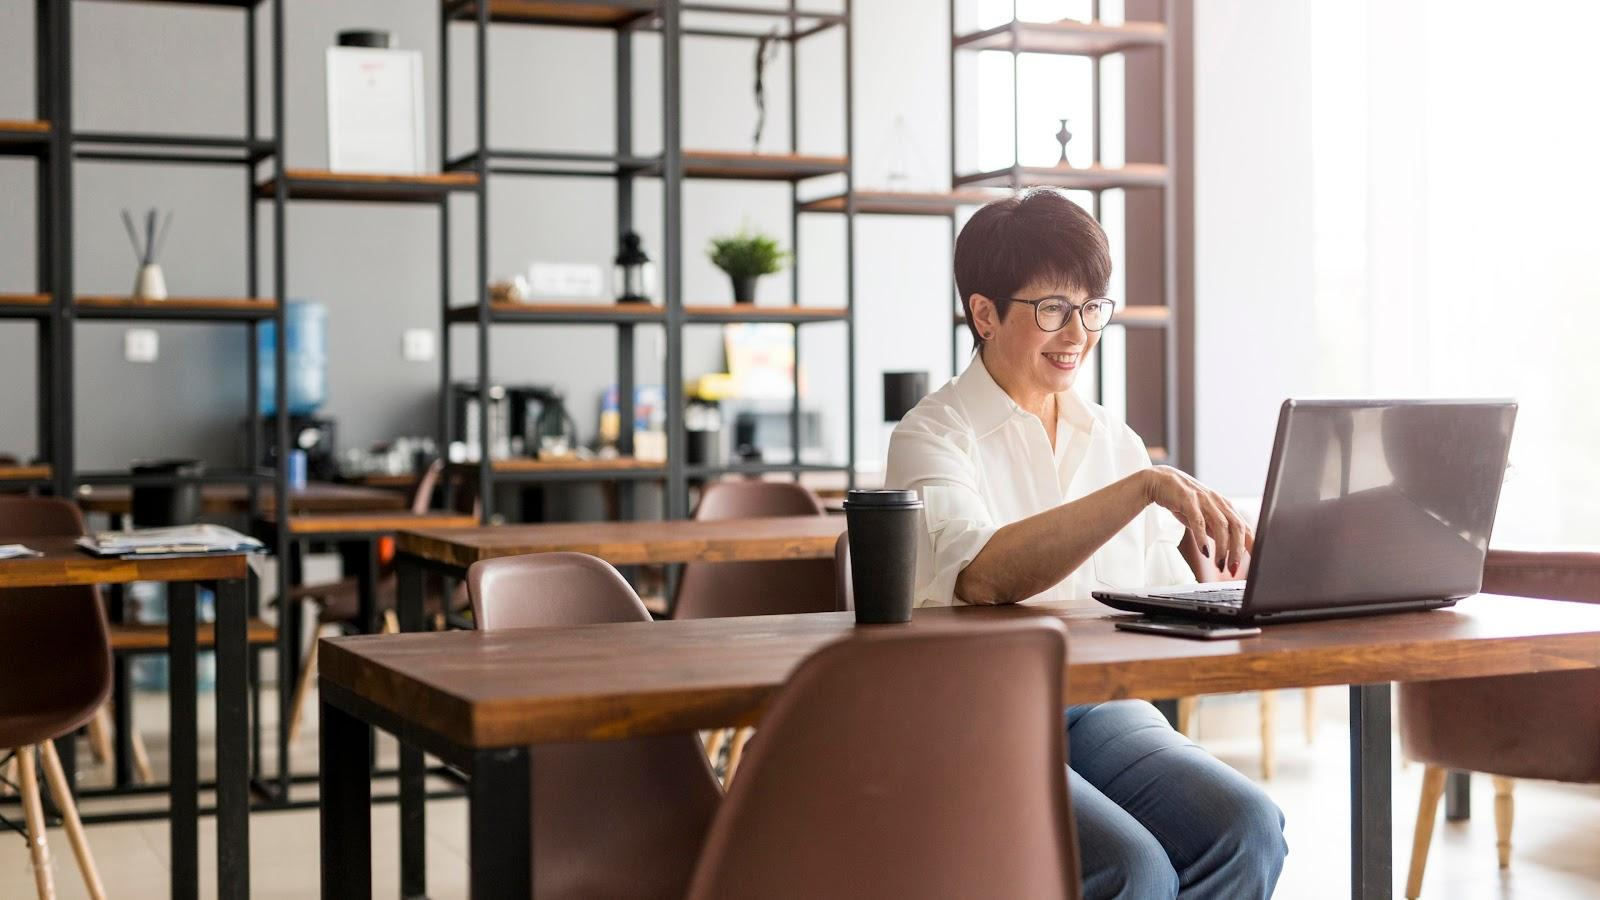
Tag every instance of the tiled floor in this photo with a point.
(1557, 828)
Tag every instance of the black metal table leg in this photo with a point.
(346, 807)
(367, 586)
(1371, 809)
(413, 803)
(232, 742)
(1458, 796)
(252, 586)
(499, 847)
(1168, 709)
(121, 694)
(184, 750)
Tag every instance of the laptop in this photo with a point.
(1371, 506)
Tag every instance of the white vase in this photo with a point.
(151, 284)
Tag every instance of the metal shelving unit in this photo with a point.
(673, 165)
(1095, 40)
(59, 146)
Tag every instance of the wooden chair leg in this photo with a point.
(1433, 778)
(1269, 723)
(33, 810)
(1187, 707)
(141, 758)
(715, 742)
(100, 734)
(1311, 716)
(61, 791)
(302, 686)
(1503, 810)
(734, 755)
(391, 623)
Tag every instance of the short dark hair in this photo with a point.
(1012, 243)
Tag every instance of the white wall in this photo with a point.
(1255, 323)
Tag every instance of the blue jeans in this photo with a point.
(1158, 816)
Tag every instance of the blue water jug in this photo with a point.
(307, 359)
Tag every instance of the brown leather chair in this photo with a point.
(876, 773)
(714, 590)
(1544, 725)
(55, 660)
(611, 819)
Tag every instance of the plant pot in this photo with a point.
(744, 288)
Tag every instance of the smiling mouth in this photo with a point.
(1064, 361)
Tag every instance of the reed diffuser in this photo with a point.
(150, 284)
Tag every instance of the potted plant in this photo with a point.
(746, 257)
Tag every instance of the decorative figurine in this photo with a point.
(1064, 135)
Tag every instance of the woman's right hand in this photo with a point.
(1205, 513)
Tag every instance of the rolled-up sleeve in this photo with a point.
(957, 522)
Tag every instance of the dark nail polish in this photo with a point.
(1204, 550)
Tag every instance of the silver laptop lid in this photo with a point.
(1371, 500)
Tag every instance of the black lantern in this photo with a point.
(634, 278)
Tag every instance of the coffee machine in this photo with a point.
(524, 421)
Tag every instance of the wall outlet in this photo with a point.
(417, 345)
(141, 345)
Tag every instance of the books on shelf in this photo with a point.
(17, 551)
(185, 540)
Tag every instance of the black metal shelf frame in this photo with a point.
(623, 165)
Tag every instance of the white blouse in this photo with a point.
(979, 461)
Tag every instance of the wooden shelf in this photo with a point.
(25, 473)
(523, 469)
(24, 306)
(1141, 316)
(188, 309)
(1065, 37)
(140, 638)
(319, 184)
(579, 13)
(745, 312)
(26, 137)
(556, 313)
(716, 164)
(901, 203)
(1090, 178)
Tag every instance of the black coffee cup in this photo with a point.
(883, 553)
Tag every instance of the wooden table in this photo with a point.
(363, 531)
(451, 551)
(631, 543)
(64, 563)
(317, 497)
(478, 700)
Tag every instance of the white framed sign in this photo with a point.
(375, 111)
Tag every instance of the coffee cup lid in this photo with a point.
(882, 499)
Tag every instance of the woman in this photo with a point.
(1033, 493)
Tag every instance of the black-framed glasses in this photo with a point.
(1052, 313)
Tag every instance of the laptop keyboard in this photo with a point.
(1228, 596)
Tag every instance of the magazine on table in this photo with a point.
(184, 540)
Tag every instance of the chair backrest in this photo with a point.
(906, 761)
(422, 494)
(53, 640)
(612, 818)
(1547, 574)
(713, 590)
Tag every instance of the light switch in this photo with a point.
(141, 345)
(417, 345)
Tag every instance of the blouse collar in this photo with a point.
(988, 406)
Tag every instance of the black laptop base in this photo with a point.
(1206, 612)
